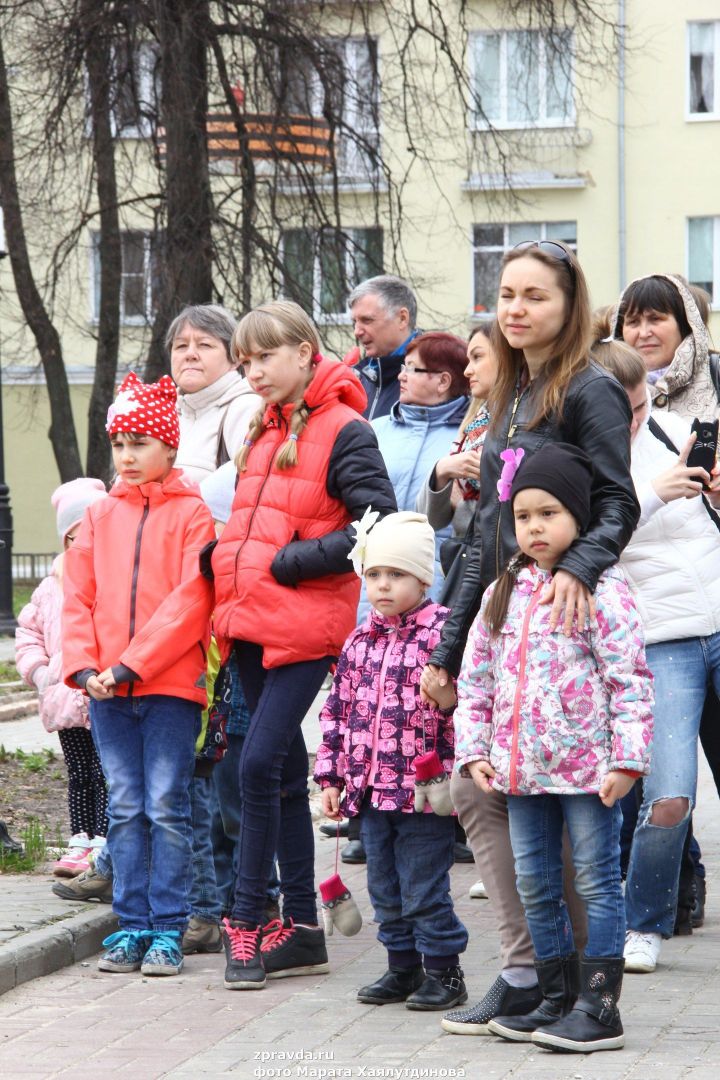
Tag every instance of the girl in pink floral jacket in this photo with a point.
(375, 729)
(561, 722)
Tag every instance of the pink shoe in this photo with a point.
(75, 859)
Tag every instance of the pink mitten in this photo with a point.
(432, 785)
(338, 907)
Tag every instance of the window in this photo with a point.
(136, 90)
(703, 255)
(321, 267)
(522, 79)
(703, 51)
(347, 95)
(490, 242)
(140, 277)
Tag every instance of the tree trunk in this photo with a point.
(99, 67)
(62, 426)
(183, 30)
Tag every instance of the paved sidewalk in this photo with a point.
(190, 1027)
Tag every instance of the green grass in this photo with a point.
(8, 672)
(35, 851)
(36, 761)
(21, 596)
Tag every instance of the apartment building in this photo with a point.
(614, 153)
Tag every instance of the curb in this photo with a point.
(54, 946)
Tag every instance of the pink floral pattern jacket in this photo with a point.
(375, 703)
(554, 714)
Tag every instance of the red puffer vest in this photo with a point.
(273, 507)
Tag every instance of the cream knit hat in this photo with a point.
(403, 541)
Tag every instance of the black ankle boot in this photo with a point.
(439, 990)
(698, 911)
(594, 1023)
(397, 984)
(6, 841)
(558, 979)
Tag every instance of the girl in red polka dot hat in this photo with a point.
(136, 627)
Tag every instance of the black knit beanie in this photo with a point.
(564, 471)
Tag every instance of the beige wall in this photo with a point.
(672, 171)
(29, 465)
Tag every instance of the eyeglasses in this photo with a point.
(548, 246)
(407, 370)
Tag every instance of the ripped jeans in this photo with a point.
(682, 671)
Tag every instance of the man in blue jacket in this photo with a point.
(384, 312)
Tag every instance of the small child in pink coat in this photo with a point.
(38, 655)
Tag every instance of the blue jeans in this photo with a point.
(408, 874)
(275, 810)
(536, 826)
(147, 749)
(682, 671)
(204, 899)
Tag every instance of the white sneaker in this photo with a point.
(641, 951)
(478, 891)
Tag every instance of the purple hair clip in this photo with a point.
(512, 459)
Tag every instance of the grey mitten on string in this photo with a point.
(432, 785)
(338, 907)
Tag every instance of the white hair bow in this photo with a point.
(362, 528)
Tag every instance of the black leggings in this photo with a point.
(87, 793)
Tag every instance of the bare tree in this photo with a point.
(266, 128)
(62, 428)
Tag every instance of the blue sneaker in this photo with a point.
(164, 955)
(125, 950)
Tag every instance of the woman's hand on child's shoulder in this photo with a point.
(615, 785)
(482, 773)
(569, 595)
(331, 803)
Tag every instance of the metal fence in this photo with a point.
(31, 568)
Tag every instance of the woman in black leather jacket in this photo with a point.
(548, 390)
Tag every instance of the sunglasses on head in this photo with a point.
(548, 246)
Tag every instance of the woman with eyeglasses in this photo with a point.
(547, 390)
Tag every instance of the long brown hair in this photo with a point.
(476, 404)
(497, 606)
(570, 350)
(279, 322)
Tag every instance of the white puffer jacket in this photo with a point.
(221, 410)
(673, 559)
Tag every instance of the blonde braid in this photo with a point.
(288, 456)
(254, 432)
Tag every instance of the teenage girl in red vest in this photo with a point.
(286, 597)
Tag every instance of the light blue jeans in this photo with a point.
(682, 671)
(536, 828)
(147, 749)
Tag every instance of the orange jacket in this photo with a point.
(133, 590)
(282, 575)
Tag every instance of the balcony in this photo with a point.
(266, 138)
(531, 159)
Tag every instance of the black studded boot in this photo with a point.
(558, 980)
(594, 1022)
